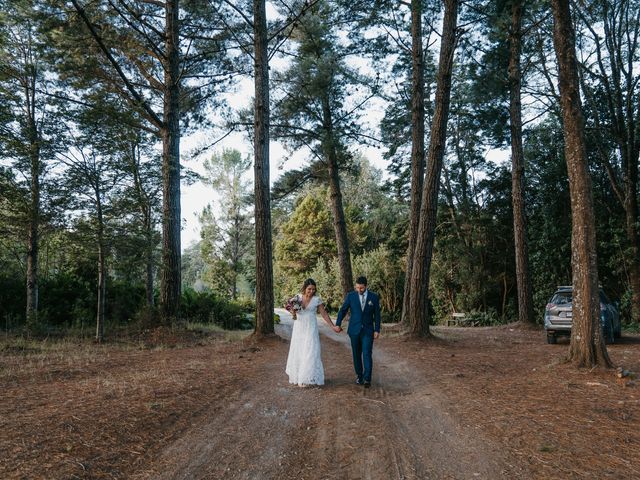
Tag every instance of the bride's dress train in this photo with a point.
(304, 365)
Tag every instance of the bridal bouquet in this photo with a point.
(293, 306)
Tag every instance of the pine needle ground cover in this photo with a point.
(171, 403)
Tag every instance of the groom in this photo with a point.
(364, 326)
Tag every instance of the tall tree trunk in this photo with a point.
(631, 216)
(169, 131)
(147, 216)
(170, 279)
(235, 254)
(629, 151)
(144, 205)
(101, 269)
(102, 288)
(264, 247)
(335, 197)
(616, 84)
(34, 220)
(234, 286)
(628, 127)
(418, 309)
(587, 347)
(149, 248)
(417, 147)
(523, 280)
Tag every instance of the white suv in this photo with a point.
(558, 316)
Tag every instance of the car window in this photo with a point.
(561, 298)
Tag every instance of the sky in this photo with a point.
(195, 197)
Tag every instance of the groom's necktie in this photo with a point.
(362, 302)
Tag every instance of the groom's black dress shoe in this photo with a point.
(367, 384)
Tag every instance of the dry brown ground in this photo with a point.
(471, 403)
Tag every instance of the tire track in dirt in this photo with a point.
(258, 434)
(401, 428)
(398, 429)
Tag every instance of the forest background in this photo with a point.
(90, 157)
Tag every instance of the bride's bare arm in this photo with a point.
(325, 315)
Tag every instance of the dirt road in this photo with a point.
(170, 403)
(401, 428)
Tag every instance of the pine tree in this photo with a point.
(608, 36)
(587, 347)
(29, 128)
(139, 51)
(418, 309)
(318, 110)
(226, 237)
(262, 122)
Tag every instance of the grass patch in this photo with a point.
(43, 346)
(631, 328)
(218, 331)
(545, 448)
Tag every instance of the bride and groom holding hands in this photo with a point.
(304, 365)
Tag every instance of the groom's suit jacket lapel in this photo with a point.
(357, 313)
(368, 302)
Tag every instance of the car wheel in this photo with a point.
(551, 339)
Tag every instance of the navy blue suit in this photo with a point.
(362, 325)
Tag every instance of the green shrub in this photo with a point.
(67, 300)
(207, 307)
(248, 305)
(625, 308)
(385, 274)
(13, 299)
(124, 300)
(483, 319)
(327, 277)
(383, 270)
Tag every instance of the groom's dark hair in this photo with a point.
(362, 280)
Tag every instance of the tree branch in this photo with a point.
(130, 88)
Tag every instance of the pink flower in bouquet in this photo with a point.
(293, 306)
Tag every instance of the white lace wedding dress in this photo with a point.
(304, 365)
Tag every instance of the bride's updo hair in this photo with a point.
(307, 282)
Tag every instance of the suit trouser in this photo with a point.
(362, 349)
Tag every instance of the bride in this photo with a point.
(304, 365)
